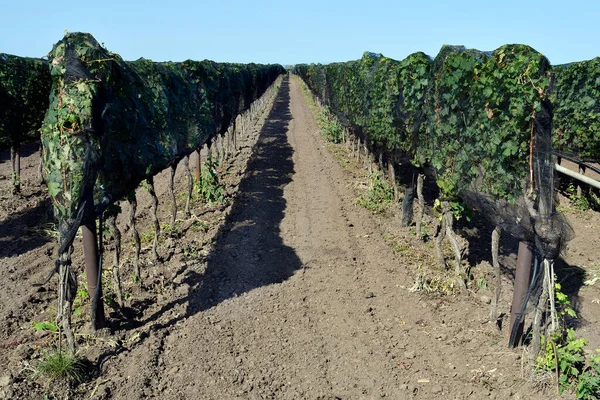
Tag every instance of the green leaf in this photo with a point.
(54, 188)
(45, 326)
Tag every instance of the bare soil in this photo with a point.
(291, 290)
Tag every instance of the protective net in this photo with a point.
(112, 124)
(24, 89)
(479, 123)
(376, 96)
(576, 99)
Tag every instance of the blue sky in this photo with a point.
(293, 31)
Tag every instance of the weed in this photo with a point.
(330, 126)
(172, 231)
(56, 365)
(594, 200)
(424, 232)
(16, 179)
(593, 276)
(388, 237)
(49, 326)
(81, 297)
(146, 237)
(109, 299)
(481, 282)
(47, 230)
(199, 226)
(443, 284)
(401, 248)
(209, 188)
(191, 251)
(565, 355)
(380, 194)
(146, 186)
(580, 202)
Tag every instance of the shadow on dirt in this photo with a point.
(26, 150)
(249, 252)
(23, 231)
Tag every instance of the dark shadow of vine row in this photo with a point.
(249, 252)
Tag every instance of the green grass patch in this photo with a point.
(58, 365)
(379, 196)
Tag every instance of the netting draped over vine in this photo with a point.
(24, 90)
(375, 94)
(113, 123)
(480, 122)
(576, 99)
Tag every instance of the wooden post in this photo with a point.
(421, 202)
(190, 180)
(15, 158)
(524, 259)
(90, 252)
(407, 203)
(392, 178)
(498, 279)
(67, 289)
(579, 190)
(172, 194)
(198, 171)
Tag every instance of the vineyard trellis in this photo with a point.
(24, 89)
(476, 123)
(112, 124)
(576, 99)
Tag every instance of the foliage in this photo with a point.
(57, 365)
(479, 110)
(481, 116)
(579, 201)
(24, 89)
(330, 126)
(469, 114)
(49, 326)
(380, 194)
(476, 122)
(382, 97)
(209, 187)
(112, 124)
(458, 208)
(565, 355)
(576, 99)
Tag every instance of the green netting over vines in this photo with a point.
(24, 89)
(479, 122)
(468, 113)
(113, 123)
(481, 111)
(380, 96)
(576, 99)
